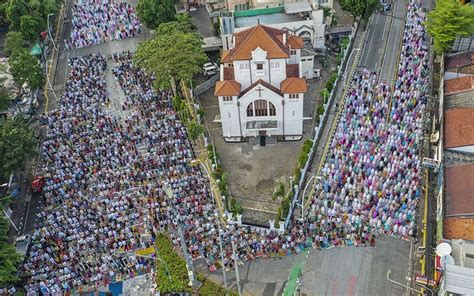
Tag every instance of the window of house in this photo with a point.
(294, 96)
(259, 66)
(293, 112)
(293, 52)
(272, 109)
(274, 65)
(244, 67)
(261, 108)
(228, 115)
(250, 110)
(227, 99)
(259, 71)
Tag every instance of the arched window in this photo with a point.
(250, 110)
(261, 108)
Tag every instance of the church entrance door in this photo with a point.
(263, 136)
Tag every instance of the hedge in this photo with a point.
(175, 264)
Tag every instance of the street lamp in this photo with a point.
(219, 229)
(49, 31)
(189, 264)
(304, 194)
(49, 81)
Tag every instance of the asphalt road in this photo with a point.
(392, 49)
(383, 41)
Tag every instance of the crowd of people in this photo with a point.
(94, 23)
(114, 181)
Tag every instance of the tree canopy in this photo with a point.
(447, 21)
(13, 42)
(25, 68)
(174, 53)
(360, 8)
(30, 27)
(155, 12)
(17, 143)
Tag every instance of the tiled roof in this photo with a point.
(293, 85)
(459, 60)
(459, 85)
(296, 42)
(458, 127)
(459, 189)
(229, 73)
(224, 55)
(227, 88)
(268, 39)
(292, 70)
(263, 83)
(458, 228)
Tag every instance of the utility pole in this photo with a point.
(236, 262)
(189, 263)
(219, 229)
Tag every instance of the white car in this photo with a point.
(210, 69)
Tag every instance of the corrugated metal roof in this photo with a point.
(459, 280)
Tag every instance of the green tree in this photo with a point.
(154, 12)
(13, 42)
(14, 10)
(194, 130)
(355, 7)
(17, 143)
(25, 68)
(29, 27)
(5, 97)
(175, 53)
(448, 20)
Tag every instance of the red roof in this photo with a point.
(296, 42)
(227, 88)
(268, 39)
(292, 70)
(459, 85)
(293, 85)
(229, 73)
(458, 127)
(458, 228)
(459, 189)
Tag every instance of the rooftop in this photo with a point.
(459, 189)
(459, 85)
(458, 279)
(458, 127)
(458, 228)
(293, 85)
(265, 19)
(227, 88)
(459, 60)
(267, 38)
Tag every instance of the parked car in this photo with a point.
(22, 244)
(210, 69)
(37, 184)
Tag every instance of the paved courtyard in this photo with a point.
(253, 170)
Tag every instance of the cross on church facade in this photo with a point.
(260, 89)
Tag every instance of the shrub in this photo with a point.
(296, 175)
(324, 93)
(174, 264)
(285, 207)
(235, 207)
(307, 145)
(320, 110)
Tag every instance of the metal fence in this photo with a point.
(203, 87)
(319, 129)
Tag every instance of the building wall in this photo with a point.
(245, 72)
(307, 67)
(229, 117)
(289, 116)
(293, 115)
(294, 59)
(464, 149)
(270, 96)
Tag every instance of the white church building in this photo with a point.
(261, 89)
